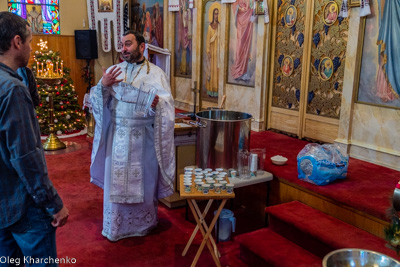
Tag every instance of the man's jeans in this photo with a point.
(30, 241)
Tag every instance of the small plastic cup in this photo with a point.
(223, 183)
(206, 188)
(208, 175)
(198, 170)
(208, 181)
(217, 188)
(211, 183)
(219, 179)
(199, 186)
(208, 170)
(221, 176)
(229, 188)
(219, 169)
(188, 187)
(185, 182)
(233, 173)
(188, 169)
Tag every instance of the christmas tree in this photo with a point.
(68, 115)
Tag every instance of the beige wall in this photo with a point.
(368, 132)
(72, 15)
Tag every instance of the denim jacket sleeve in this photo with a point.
(22, 136)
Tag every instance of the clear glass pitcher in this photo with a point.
(141, 97)
(243, 164)
(261, 154)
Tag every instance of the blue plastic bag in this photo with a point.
(321, 164)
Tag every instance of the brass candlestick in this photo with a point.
(52, 142)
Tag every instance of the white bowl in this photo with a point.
(279, 160)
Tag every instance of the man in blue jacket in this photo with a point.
(30, 208)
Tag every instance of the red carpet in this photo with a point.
(368, 187)
(301, 236)
(81, 237)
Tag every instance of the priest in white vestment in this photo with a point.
(133, 157)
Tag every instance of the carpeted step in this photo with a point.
(319, 232)
(264, 247)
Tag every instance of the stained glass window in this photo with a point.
(42, 15)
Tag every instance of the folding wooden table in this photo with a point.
(200, 219)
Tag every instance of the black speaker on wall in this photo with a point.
(86, 44)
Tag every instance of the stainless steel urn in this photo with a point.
(221, 134)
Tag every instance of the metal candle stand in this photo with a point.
(52, 142)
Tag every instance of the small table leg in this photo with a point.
(205, 227)
(201, 219)
(205, 230)
(217, 227)
(206, 237)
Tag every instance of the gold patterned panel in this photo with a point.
(328, 52)
(288, 57)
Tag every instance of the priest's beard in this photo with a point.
(132, 57)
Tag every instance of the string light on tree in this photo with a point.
(43, 45)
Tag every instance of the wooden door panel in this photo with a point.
(285, 120)
(288, 55)
(320, 128)
(306, 78)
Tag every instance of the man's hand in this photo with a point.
(60, 218)
(111, 77)
(155, 102)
